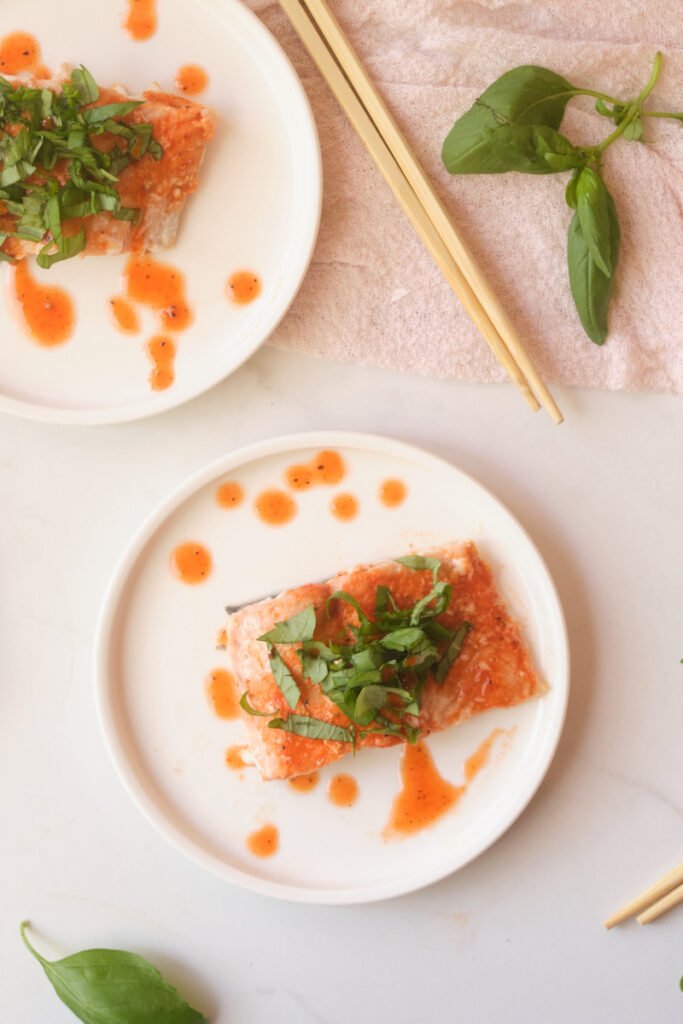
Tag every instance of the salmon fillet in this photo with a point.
(493, 669)
(158, 188)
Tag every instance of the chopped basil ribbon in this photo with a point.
(38, 128)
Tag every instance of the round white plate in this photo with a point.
(156, 645)
(257, 208)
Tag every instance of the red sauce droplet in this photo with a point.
(480, 758)
(343, 790)
(229, 494)
(161, 353)
(275, 507)
(123, 315)
(344, 507)
(191, 79)
(234, 759)
(45, 312)
(304, 783)
(392, 493)
(264, 842)
(19, 52)
(243, 287)
(425, 796)
(299, 477)
(220, 686)
(141, 20)
(328, 467)
(161, 287)
(191, 563)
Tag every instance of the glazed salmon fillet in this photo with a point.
(158, 188)
(492, 670)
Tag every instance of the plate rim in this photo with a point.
(126, 562)
(24, 408)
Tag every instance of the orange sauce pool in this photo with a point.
(344, 507)
(304, 783)
(220, 688)
(141, 19)
(324, 468)
(161, 287)
(480, 758)
(343, 790)
(299, 477)
(45, 312)
(392, 493)
(243, 287)
(234, 760)
(264, 842)
(424, 797)
(275, 507)
(161, 351)
(191, 79)
(123, 315)
(229, 494)
(190, 562)
(19, 51)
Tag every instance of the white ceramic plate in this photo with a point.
(257, 208)
(156, 645)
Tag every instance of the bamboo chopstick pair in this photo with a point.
(656, 900)
(339, 65)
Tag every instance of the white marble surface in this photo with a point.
(516, 936)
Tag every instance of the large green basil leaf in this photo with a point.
(591, 288)
(592, 211)
(110, 986)
(533, 149)
(291, 631)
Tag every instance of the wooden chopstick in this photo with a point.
(409, 164)
(663, 895)
(312, 36)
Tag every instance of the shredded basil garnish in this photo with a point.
(38, 129)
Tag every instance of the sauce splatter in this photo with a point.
(392, 493)
(19, 52)
(304, 783)
(141, 20)
(299, 477)
(425, 796)
(343, 790)
(123, 315)
(191, 79)
(45, 312)
(243, 287)
(222, 639)
(220, 688)
(344, 507)
(480, 758)
(234, 759)
(264, 842)
(161, 287)
(229, 494)
(160, 351)
(190, 562)
(275, 507)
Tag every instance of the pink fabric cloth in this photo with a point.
(373, 294)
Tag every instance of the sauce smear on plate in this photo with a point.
(243, 287)
(234, 759)
(191, 79)
(480, 758)
(45, 312)
(424, 797)
(275, 507)
(161, 287)
(141, 20)
(264, 842)
(123, 315)
(190, 563)
(160, 351)
(19, 52)
(220, 687)
(304, 783)
(343, 790)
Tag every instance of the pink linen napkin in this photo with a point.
(373, 294)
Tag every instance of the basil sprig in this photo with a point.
(111, 986)
(376, 674)
(38, 128)
(513, 126)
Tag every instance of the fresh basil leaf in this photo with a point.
(366, 626)
(283, 677)
(369, 658)
(69, 247)
(440, 594)
(85, 85)
(634, 129)
(246, 706)
(570, 191)
(111, 986)
(312, 728)
(403, 639)
(313, 665)
(533, 149)
(299, 627)
(419, 562)
(591, 289)
(97, 114)
(593, 214)
(382, 596)
(371, 699)
(452, 652)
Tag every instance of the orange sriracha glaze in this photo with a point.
(424, 797)
(45, 312)
(304, 783)
(229, 494)
(392, 493)
(191, 79)
(19, 51)
(275, 507)
(190, 562)
(220, 688)
(243, 287)
(344, 507)
(161, 287)
(264, 842)
(343, 790)
(123, 315)
(161, 352)
(234, 759)
(141, 19)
